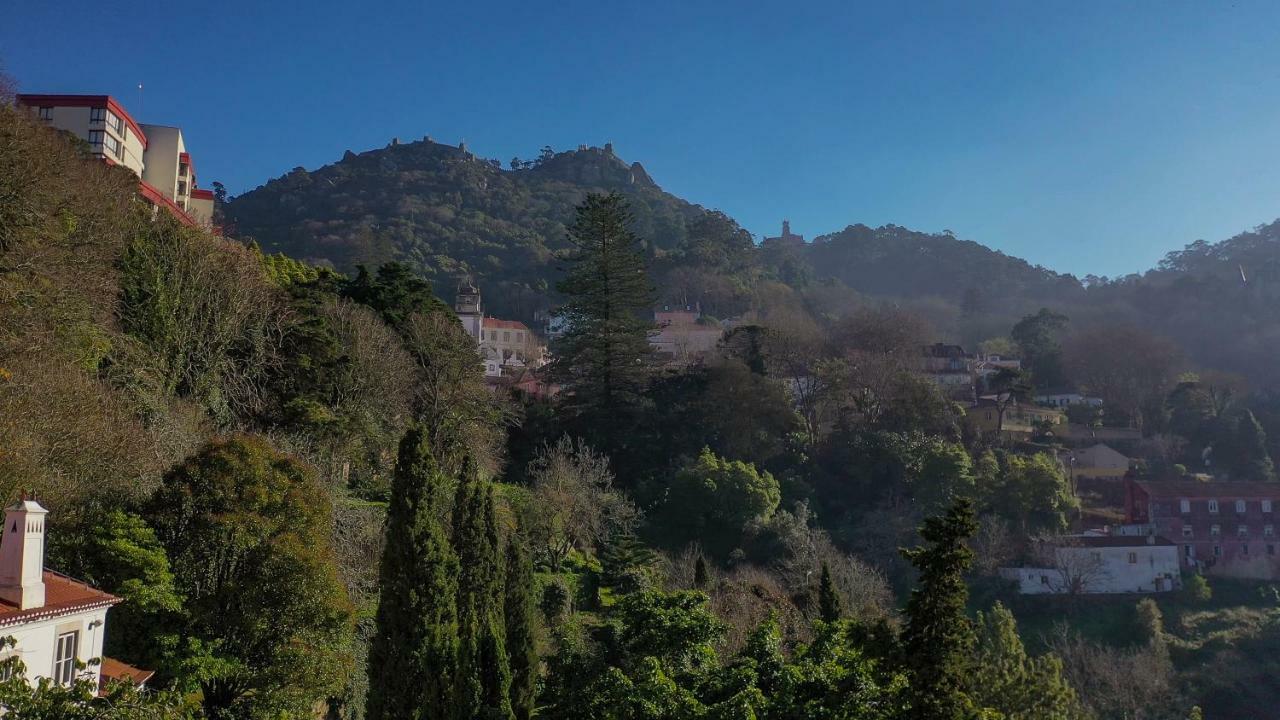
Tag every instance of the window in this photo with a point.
(1244, 549)
(97, 115)
(1213, 506)
(112, 144)
(1242, 531)
(1215, 530)
(64, 661)
(1268, 531)
(1185, 505)
(95, 137)
(115, 123)
(182, 168)
(1133, 558)
(506, 336)
(1266, 506)
(1271, 549)
(1186, 550)
(182, 188)
(46, 113)
(1186, 531)
(1097, 556)
(1044, 579)
(1217, 551)
(1240, 506)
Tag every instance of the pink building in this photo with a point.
(1222, 528)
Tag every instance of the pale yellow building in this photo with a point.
(99, 120)
(157, 154)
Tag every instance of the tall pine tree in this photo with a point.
(412, 656)
(603, 359)
(518, 604)
(483, 678)
(938, 639)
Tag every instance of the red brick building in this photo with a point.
(1222, 528)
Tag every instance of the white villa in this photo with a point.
(56, 624)
(1089, 564)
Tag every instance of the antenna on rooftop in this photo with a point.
(141, 110)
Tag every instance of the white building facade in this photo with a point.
(1081, 565)
(157, 154)
(55, 625)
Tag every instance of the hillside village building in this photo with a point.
(1222, 528)
(157, 154)
(1096, 462)
(56, 623)
(505, 345)
(684, 336)
(1021, 421)
(1085, 564)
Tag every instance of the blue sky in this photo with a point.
(1087, 137)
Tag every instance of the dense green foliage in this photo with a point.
(215, 430)
(247, 532)
(416, 645)
(603, 359)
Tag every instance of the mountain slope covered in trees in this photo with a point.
(447, 213)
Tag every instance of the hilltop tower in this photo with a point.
(787, 237)
(467, 305)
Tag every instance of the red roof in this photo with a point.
(202, 194)
(496, 324)
(1111, 541)
(113, 669)
(62, 596)
(155, 197)
(89, 101)
(1195, 488)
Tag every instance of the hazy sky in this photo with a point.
(1087, 137)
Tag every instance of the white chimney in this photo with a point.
(22, 555)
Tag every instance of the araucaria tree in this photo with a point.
(416, 646)
(603, 359)
(938, 640)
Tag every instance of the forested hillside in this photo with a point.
(446, 213)
(312, 506)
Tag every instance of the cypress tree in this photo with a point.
(483, 677)
(603, 359)
(522, 656)
(414, 649)
(828, 599)
(939, 637)
(700, 573)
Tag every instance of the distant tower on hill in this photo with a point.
(467, 305)
(787, 237)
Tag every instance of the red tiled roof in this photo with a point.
(1111, 541)
(62, 596)
(1195, 488)
(113, 669)
(496, 324)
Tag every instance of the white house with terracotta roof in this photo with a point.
(56, 624)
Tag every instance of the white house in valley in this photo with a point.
(56, 624)
(1091, 564)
